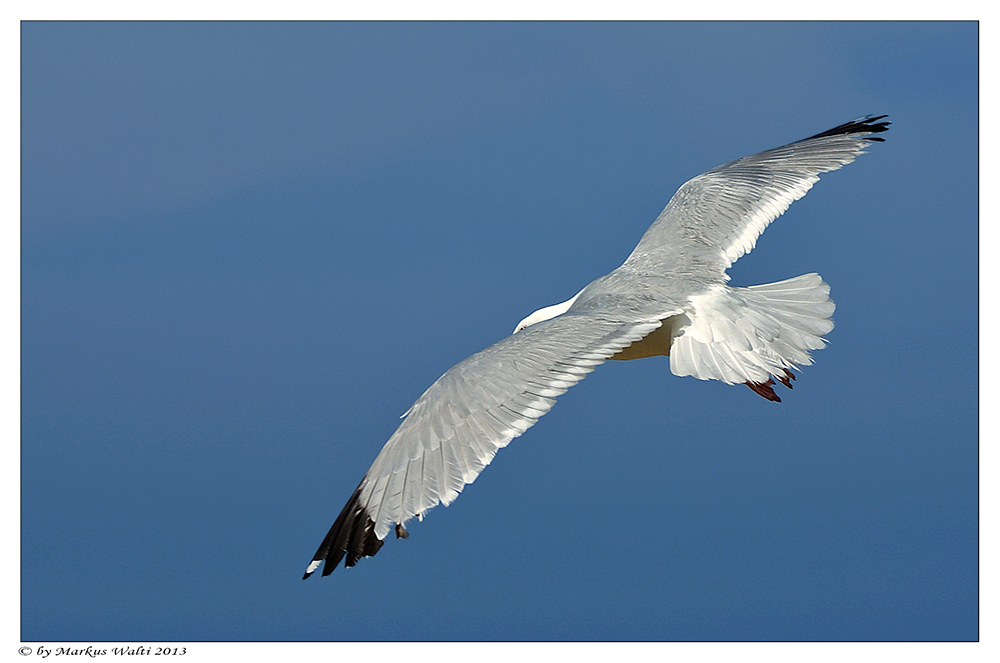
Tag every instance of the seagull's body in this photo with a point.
(669, 298)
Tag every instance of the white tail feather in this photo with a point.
(750, 334)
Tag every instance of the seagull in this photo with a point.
(668, 298)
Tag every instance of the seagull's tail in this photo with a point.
(753, 335)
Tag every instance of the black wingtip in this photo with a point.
(352, 536)
(866, 124)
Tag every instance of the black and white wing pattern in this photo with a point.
(673, 282)
(456, 427)
(716, 217)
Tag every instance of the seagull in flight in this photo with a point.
(668, 298)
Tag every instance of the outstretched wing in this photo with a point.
(455, 428)
(717, 217)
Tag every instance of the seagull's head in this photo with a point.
(546, 313)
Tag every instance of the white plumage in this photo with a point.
(668, 298)
(749, 334)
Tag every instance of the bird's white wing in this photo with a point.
(717, 217)
(454, 429)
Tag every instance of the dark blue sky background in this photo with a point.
(247, 248)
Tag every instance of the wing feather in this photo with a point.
(716, 217)
(455, 428)
(678, 269)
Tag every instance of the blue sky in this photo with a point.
(247, 248)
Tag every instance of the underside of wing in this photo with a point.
(676, 272)
(717, 217)
(456, 427)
